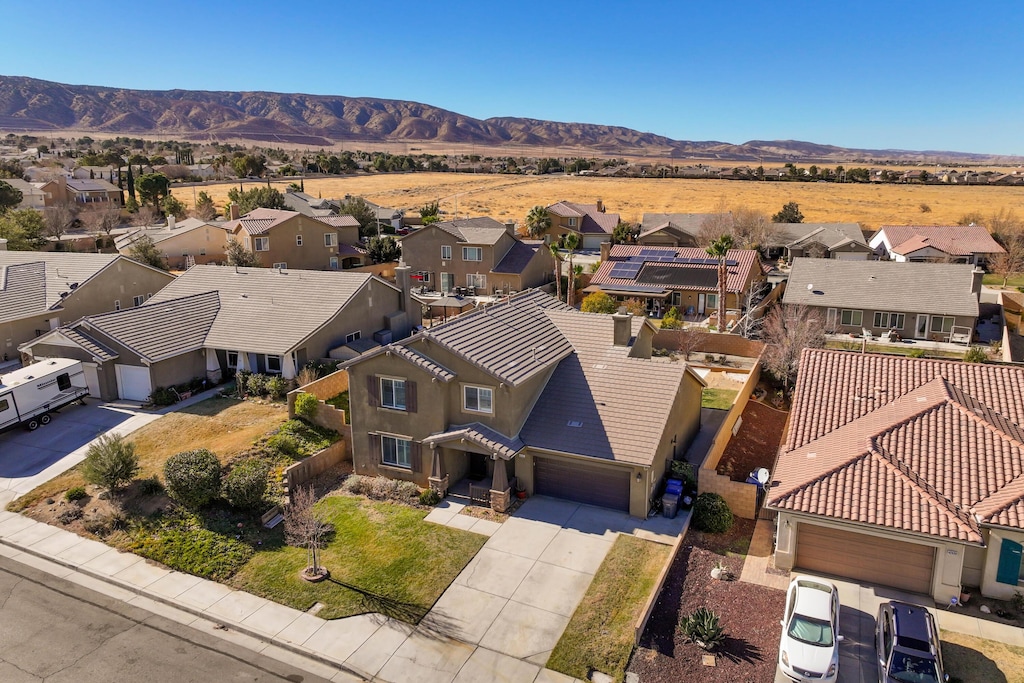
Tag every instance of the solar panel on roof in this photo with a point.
(626, 271)
(653, 252)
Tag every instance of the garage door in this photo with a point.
(907, 566)
(133, 382)
(603, 486)
(850, 255)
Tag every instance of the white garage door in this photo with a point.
(850, 255)
(133, 382)
(593, 242)
(92, 378)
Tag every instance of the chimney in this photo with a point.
(623, 328)
(977, 274)
(600, 206)
(606, 248)
(234, 211)
(403, 279)
(3, 244)
(170, 221)
(510, 227)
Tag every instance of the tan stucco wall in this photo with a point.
(364, 313)
(209, 239)
(179, 369)
(909, 324)
(421, 251)
(312, 255)
(991, 588)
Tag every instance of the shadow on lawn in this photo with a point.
(408, 612)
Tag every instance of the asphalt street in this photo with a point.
(57, 631)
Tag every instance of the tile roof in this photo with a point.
(832, 235)
(511, 340)
(932, 447)
(739, 274)
(31, 282)
(260, 221)
(345, 221)
(87, 185)
(621, 403)
(482, 436)
(591, 220)
(91, 345)
(265, 310)
(957, 240)
(160, 233)
(158, 331)
(419, 360)
(689, 223)
(883, 285)
(517, 257)
(483, 230)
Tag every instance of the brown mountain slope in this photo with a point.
(33, 104)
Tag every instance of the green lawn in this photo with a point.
(383, 558)
(721, 399)
(974, 660)
(600, 635)
(997, 281)
(899, 349)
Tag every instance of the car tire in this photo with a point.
(32, 425)
(45, 418)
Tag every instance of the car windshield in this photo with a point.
(810, 631)
(908, 668)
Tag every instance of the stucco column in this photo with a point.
(288, 366)
(438, 478)
(243, 362)
(213, 372)
(501, 497)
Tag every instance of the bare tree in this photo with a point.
(146, 215)
(103, 220)
(788, 330)
(1011, 262)
(59, 218)
(689, 340)
(750, 325)
(715, 225)
(754, 229)
(305, 527)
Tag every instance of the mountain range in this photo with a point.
(29, 104)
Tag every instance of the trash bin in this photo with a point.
(669, 505)
(674, 487)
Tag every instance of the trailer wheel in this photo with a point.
(45, 418)
(32, 424)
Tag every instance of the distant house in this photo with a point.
(289, 239)
(32, 197)
(308, 205)
(686, 278)
(589, 221)
(94, 173)
(217, 320)
(820, 240)
(40, 290)
(934, 301)
(84, 192)
(477, 253)
(904, 472)
(971, 244)
(671, 229)
(183, 243)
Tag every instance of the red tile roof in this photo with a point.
(930, 447)
(958, 240)
(591, 220)
(739, 274)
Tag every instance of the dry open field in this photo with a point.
(509, 196)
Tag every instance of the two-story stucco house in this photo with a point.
(183, 243)
(289, 239)
(590, 221)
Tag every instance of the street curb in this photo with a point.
(141, 592)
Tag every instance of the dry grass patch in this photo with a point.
(975, 660)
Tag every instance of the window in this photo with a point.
(281, 265)
(478, 399)
(202, 252)
(233, 359)
(423, 276)
(572, 222)
(298, 240)
(334, 263)
(262, 244)
(63, 382)
(889, 320)
(446, 252)
(392, 393)
(447, 282)
(330, 239)
(712, 302)
(472, 254)
(942, 324)
(117, 304)
(395, 451)
(274, 365)
(353, 337)
(138, 300)
(4, 405)
(477, 281)
(853, 318)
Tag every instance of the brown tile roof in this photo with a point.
(260, 221)
(739, 274)
(345, 221)
(591, 220)
(482, 436)
(517, 257)
(930, 447)
(958, 240)
(419, 360)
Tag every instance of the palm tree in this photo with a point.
(571, 242)
(537, 221)
(557, 258)
(718, 249)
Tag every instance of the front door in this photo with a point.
(477, 466)
(701, 298)
(921, 331)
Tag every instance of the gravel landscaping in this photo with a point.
(757, 442)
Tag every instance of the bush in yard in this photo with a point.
(246, 483)
(381, 488)
(277, 387)
(163, 397)
(256, 384)
(75, 493)
(193, 477)
(111, 462)
(712, 514)
(305, 405)
(975, 354)
(284, 444)
(703, 628)
(430, 497)
(916, 353)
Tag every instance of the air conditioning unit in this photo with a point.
(382, 337)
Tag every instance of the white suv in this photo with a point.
(809, 650)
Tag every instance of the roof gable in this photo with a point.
(956, 240)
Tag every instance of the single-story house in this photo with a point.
(219, 319)
(936, 301)
(820, 240)
(526, 393)
(971, 244)
(904, 472)
(672, 229)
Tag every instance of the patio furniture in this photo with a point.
(866, 333)
(960, 335)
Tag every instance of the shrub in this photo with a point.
(915, 353)
(975, 354)
(711, 514)
(277, 387)
(256, 384)
(75, 493)
(246, 483)
(163, 397)
(150, 486)
(111, 462)
(104, 524)
(70, 515)
(311, 438)
(671, 320)
(307, 375)
(381, 488)
(193, 477)
(703, 628)
(430, 497)
(680, 469)
(306, 405)
(284, 444)
(599, 302)
(1017, 601)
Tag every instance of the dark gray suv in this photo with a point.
(907, 644)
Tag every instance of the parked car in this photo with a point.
(809, 650)
(907, 643)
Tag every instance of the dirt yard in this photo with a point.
(749, 613)
(757, 442)
(511, 196)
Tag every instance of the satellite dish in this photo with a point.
(762, 475)
(810, 287)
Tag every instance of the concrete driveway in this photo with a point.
(28, 459)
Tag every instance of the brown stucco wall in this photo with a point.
(421, 251)
(212, 240)
(312, 255)
(909, 324)
(179, 369)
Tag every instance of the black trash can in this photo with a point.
(669, 505)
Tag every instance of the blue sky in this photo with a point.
(940, 76)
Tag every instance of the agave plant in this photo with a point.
(702, 628)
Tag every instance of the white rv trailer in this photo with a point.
(30, 394)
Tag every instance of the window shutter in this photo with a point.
(373, 389)
(375, 454)
(415, 457)
(1009, 562)
(410, 396)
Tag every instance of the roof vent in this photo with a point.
(243, 296)
(812, 455)
(574, 423)
(810, 287)
(600, 366)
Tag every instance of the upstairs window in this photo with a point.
(478, 399)
(392, 393)
(262, 244)
(446, 252)
(330, 239)
(472, 254)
